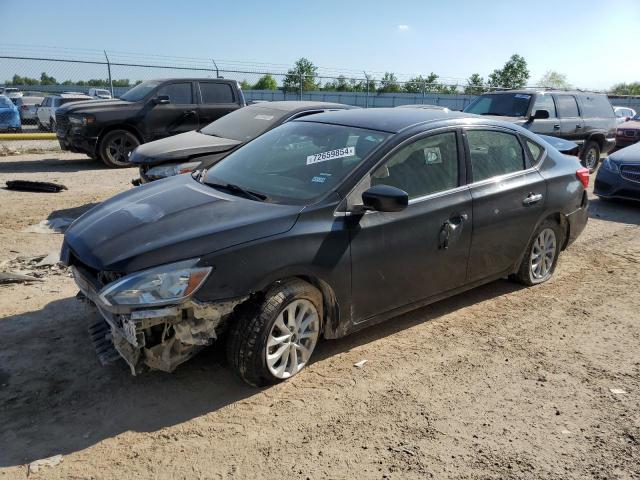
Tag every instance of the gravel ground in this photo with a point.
(501, 382)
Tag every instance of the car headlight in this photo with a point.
(164, 171)
(172, 283)
(619, 132)
(611, 165)
(81, 119)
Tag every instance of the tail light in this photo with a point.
(583, 176)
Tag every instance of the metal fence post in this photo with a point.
(301, 85)
(109, 72)
(216, 67)
(366, 81)
(424, 88)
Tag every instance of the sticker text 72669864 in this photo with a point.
(330, 155)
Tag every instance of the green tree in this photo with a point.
(18, 80)
(632, 88)
(123, 82)
(47, 80)
(304, 71)
(554, 79)
(244, 85)
(514, 73)
(475, 85)
(389, 83)
(415, 84)
(266, 82)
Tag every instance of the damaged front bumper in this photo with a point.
(160, 338)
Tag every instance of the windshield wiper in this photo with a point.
(233, 188)
(494, 113)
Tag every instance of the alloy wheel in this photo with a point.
(119, 149)
(591, 159)
(543, 253)
(292, 339)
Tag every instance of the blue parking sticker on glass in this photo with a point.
(319, 179)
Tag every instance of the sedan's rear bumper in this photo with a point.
(577, 221)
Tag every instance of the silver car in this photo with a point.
(28, 108)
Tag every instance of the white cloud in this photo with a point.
(403, 28)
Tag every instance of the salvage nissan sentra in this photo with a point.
(318, 228)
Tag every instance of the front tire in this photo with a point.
(591, 156)
(541, 257)
(116, 147)
(272, 339)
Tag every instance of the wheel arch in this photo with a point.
(119, 126)
(599, 138)
(555, 216)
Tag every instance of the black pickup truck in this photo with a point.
(110, 129)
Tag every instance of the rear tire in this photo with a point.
(541, 257)
(591, 155)
(116, 147)
(273, 338)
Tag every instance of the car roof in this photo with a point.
(72, 95)
(192, 79)
(542, 91)
(295, 105)
(391, 120)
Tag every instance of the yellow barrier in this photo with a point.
(27, 136)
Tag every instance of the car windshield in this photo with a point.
(5, 102)
(244, 124)
(139, 92)
(501, 104)
(297, 162)
(637, 117)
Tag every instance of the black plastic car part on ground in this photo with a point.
(201, 149)
(586, 118)
(619, 175)
(111, 129)
(321, 227)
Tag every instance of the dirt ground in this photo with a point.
(497, 383)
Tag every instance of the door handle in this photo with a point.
(449, 228)
(531, 199)
(556, 126)
(190, 112)
(578, 126)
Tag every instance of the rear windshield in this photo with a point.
(501, 104)
(244, 124)
(62, 101)
(139, 92)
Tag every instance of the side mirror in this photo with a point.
(385, 198)
(162, 100)
(540, 115)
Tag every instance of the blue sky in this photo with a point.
(585, 39)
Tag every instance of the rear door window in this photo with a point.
(567, 106)
(494, 153)
(216, 93)
(545, 102)
(179, 93)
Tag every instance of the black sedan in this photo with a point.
(202, 148)
(619, 175)
(319, 228)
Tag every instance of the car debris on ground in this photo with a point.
(36, 465)
(51, 225)
(27, 269)
(31, 186)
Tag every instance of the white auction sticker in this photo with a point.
(330, 155)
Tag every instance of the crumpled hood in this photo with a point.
(180, 147)
(170, 220)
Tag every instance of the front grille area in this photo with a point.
(61, 121)
(630, 133)
(630, 172)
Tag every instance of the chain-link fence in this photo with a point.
(101, 74)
